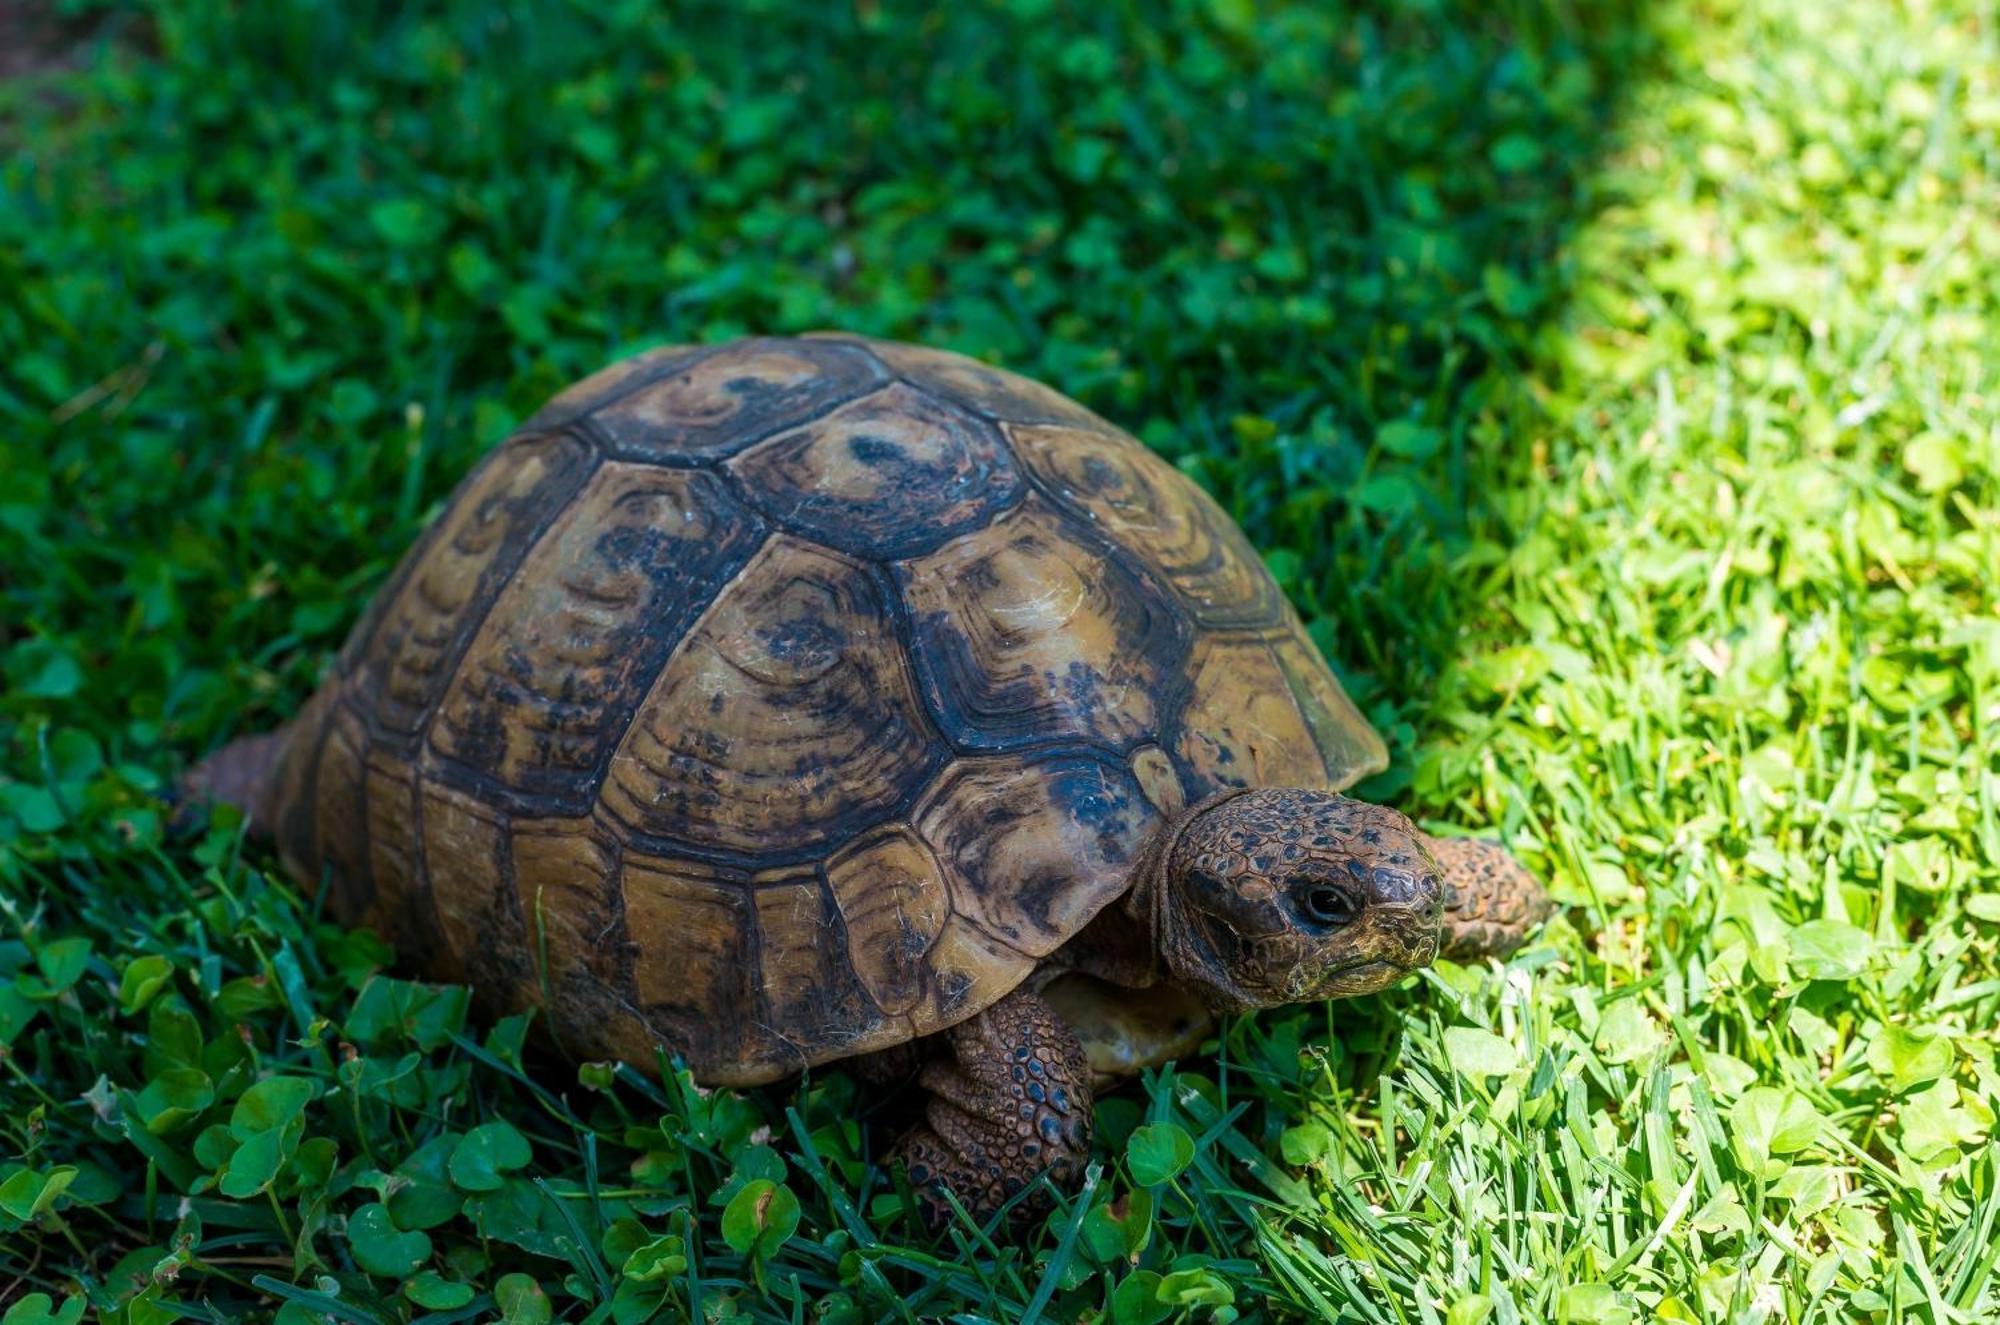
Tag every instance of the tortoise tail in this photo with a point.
(242, 773)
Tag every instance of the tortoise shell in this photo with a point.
(784, 700)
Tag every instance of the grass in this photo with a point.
(1613, 388)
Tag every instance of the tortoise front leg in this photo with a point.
(1491, 904)
(1009, 1100)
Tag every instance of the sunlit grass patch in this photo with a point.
(1616, 399)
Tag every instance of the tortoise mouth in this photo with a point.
(1360, 977)
(1370, 974)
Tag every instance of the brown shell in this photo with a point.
(782, 700)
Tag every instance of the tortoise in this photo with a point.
(792, 700)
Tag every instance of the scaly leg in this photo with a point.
(1009, 1100)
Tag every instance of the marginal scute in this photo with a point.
(1033, 848)
(891, 894)
(814, 1006)
(392, 836)
(787, 719)
(992, 391)
(696, 977)
(732, 397)
(607, 384)
(478, 919)
(340, 829)
(566, 880)
(1242, 727)
(548, 686)
(489, 526)
(970, 969)
(1348, 746)
(1024, 633)
(1143, 503)
(892, 474)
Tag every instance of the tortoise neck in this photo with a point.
(1176, 953)
(1150, 906)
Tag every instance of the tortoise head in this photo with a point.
(1274, 896)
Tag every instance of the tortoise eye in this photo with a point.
(1324, 904)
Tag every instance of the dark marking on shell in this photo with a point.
(892, 474)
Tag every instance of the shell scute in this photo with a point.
(786, 718)
(892, 897)
(969, 970)
(483, 941)
(1348, 746)
(566, 881)
(994, 392)
(609, 383)
(1145, 504)
(727, 399)
(1033, 848)
(390, 788)
(892, 474)
(340, 816)
(416, 643)
(1025, 633)
(814, 1004)
(547, 688)
(699, 991)
(1242, 728)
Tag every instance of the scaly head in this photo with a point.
(1280, 895)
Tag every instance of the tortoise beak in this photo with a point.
(1359, 978)
(1404, 939)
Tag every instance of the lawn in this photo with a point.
(1613, 387)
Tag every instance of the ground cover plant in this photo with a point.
(1613, 389)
